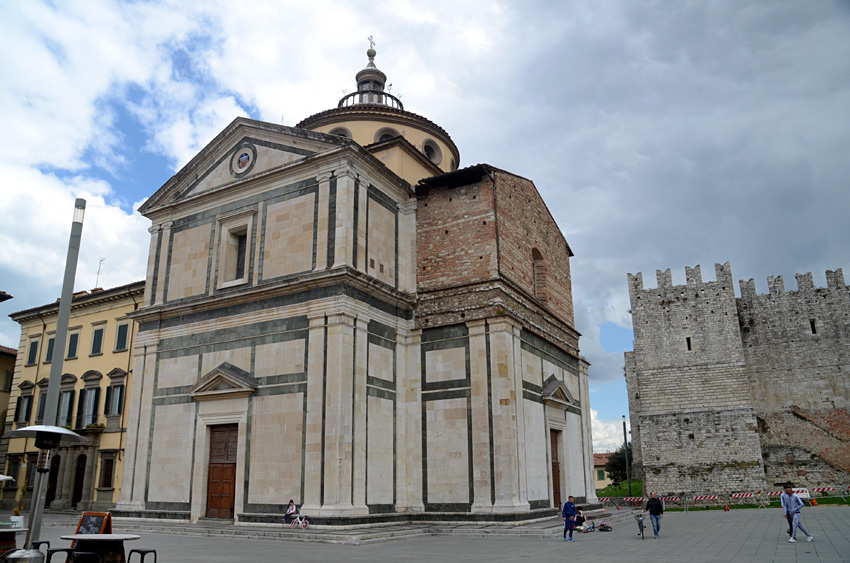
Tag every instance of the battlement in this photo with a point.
(805, 284)
(664, 278)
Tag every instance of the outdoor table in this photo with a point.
(109, 546)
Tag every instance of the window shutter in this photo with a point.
(106, 402)
(81, 407)
(121, 343)
(72, 345)
(97, 341)
(29, 408)
(41, 404)
(95, 410)
(18, 409)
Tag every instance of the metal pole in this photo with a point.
(626, 452)
(51, 407)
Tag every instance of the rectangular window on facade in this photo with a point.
(7, 380)
(32, 355)
(14, 469)
(32, 463)
(87, 407)
(97, 341)
(114, 399)
(234, 249)
(73, 342)
(107, 470)
(121, 337)
(23, 410)
(600, 475)
(48, 356)
(66, 408)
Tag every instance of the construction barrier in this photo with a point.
(760, 498)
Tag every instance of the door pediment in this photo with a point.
(556, 393)
(224, 382)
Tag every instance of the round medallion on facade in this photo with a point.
(242, 160)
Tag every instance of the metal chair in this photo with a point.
(37, 544)
(75, 556)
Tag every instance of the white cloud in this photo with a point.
(607, 434)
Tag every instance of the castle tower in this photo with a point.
(690, 404)
(410, 145)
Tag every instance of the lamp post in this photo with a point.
(47, 437)
(626, 454)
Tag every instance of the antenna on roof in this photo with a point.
(281, 119)
(99, 265)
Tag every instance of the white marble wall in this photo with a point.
(276, 435)
(171, 453)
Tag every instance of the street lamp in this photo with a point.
(626, 454)
(47, 437)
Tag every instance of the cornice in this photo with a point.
(82, 302)
(336, 276)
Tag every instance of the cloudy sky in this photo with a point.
(661, 134)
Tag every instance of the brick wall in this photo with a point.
(525, 224)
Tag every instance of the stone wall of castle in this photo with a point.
(738, 394)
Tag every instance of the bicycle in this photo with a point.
(639, 519)
(299, 521)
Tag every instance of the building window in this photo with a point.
(12, 471)
(432, 151)
(107, 471)
(73, 343)
(385, 134)
(87, 406)
(32, 356)
(97, 341)
(7, 380)
(341, 132)
(234, 249)
(600, 474)
(114, 403)
(121, 337)
(23, 410)
(66, 407)
(48, 355)
(32, 463)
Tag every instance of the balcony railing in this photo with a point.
(370, 97)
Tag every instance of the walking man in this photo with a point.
(656, 513)
(791, 506)
(569, 513)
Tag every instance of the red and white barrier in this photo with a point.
(668, 498)
(634, 499)
(705, 497)
(743, 495)
(604, 499)
(822, 489)
(773, 493)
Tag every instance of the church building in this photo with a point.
(334, 313)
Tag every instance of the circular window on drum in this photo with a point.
(432, 151)
(341, 132)
(385, 134)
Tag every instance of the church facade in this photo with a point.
(337, 315)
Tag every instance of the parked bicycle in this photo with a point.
(299, 520)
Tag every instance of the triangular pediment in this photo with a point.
(244, 149)
(554, 391)
(224, 382)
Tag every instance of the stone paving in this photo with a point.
(696, 537)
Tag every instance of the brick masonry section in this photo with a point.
(737, 394)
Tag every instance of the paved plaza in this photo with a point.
(695, 537)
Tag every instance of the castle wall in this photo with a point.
(764, 374)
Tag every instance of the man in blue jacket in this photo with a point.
(569, 513)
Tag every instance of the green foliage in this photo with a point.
(616, 466)
(621, 490)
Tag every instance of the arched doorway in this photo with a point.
(52, 480)
(79, 477)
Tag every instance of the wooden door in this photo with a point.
(221, 485)
(555, 438)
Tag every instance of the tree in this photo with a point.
(616, 466)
